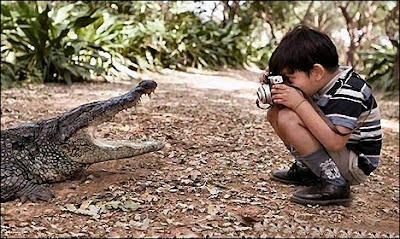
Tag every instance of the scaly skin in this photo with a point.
(54, 150)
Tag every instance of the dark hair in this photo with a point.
(301, 48)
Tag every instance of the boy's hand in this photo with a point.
(261, 78)
(286, 95)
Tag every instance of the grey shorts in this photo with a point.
(347, 162)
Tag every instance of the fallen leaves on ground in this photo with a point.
(212, 179)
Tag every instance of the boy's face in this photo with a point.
(303, 81)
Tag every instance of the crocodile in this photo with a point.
(34, 154)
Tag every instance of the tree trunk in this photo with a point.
(396, 71)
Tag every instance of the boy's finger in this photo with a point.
(279, 86)
(262, 78)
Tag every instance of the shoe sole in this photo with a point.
(341, 202)
(290, 182)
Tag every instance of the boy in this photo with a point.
(328, 159)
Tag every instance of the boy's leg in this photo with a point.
(347, 162)
(334, 188)
(298, 173)
(273, 116)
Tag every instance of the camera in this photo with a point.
(264, 95)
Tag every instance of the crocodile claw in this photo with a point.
(38, 193)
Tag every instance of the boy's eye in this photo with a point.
(287, 78)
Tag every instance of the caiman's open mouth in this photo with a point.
(86, 148)
(114, 144)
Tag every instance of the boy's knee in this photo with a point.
(288, 119)
(272, 115)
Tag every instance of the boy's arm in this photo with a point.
(294, 100)
(321, 131)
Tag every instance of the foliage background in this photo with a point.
(67, 41)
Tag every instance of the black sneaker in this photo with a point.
(323, 194)
(295, 175)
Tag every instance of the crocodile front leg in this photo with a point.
(15, 186)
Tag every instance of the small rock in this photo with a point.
(23, 224)
(226, 224)
(64, 235)
(114, 235)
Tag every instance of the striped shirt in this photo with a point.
(348, 101)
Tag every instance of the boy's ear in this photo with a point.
(318, 72)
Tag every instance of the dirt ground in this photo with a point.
(212, 178)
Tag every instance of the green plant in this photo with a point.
(176, 39)
(38, 40)
(59, 42)
(379, 66)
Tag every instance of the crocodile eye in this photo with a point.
(17, 145)
(81, 142)
(22, 142)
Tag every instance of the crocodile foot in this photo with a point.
(34, 193)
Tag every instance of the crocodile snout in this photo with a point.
(148, 86)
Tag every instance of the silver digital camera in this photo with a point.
(264, 95)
